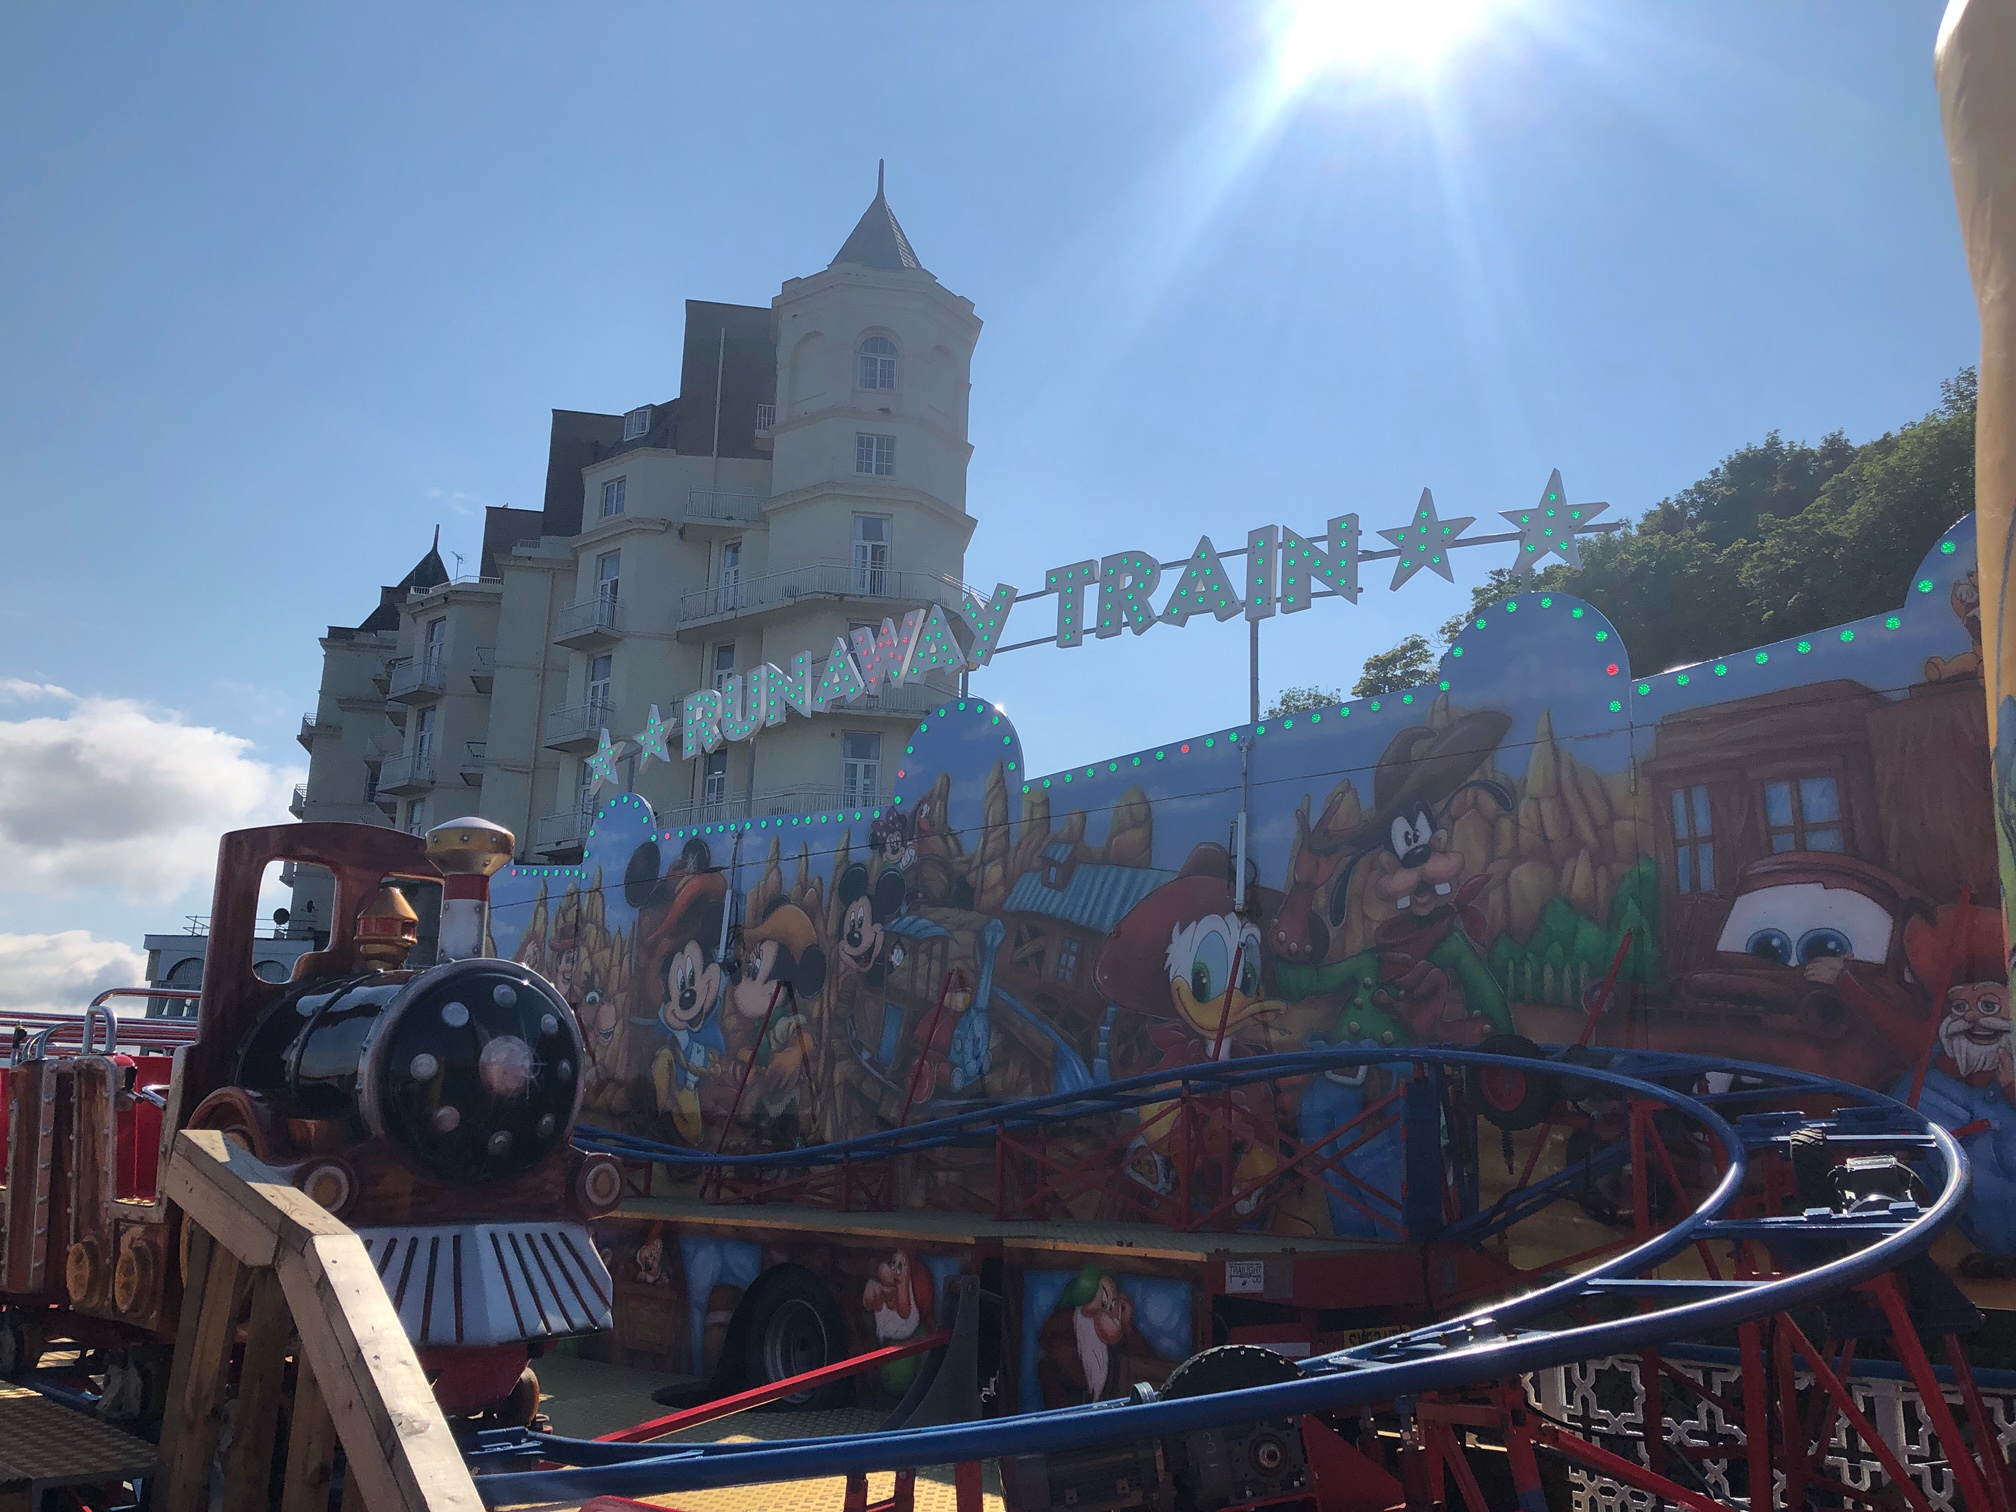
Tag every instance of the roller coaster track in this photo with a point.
(1814, 1254)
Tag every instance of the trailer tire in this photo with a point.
(1513, 1099)
(789, 1324)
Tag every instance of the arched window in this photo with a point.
(875, 364)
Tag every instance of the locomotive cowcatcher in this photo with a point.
(429, 1106)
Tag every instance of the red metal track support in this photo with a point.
(757, 1396)
(930, 1037)
(1966, 1470)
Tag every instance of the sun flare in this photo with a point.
(1360, 38)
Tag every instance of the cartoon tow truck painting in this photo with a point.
(1810, 970)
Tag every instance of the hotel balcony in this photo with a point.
(579, 726)
(592, 622)
(719, 509)
(563, 831)
(381, 673)
(841, 581)
(403, 775)
(417, 680)
(313, 725)
(483, 672)
(298, 804)
(817, 803)
(472, 763)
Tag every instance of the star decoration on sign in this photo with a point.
(1425, 540)
(653, 740)
(1550, 526)
(602, 765)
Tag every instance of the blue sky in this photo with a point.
(281, 288)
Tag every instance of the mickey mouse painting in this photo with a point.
(865, 942)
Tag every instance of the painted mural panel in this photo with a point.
(1779, 855)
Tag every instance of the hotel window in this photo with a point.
(875, 454)
(860, 768)
(599, 669)
(871, 554)
(612, 497)
(1804, 813)
(416, 817)
(1693, 841)
(730, 590)
(875, 364)
(635, 424)
(423, 736)
(714, 785)
(437, 642)
(608, 575)
(724, 664)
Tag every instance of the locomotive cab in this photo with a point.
(427, 1105)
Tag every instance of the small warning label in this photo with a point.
(1245, 1278)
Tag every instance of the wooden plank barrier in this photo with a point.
(266, 1264)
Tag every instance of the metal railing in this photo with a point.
(405, 773)
(816, 580)
(603, 613)
(474, 759)
(911, 698)
(766, 417)
(416, 675)
(484, 668)
(580, 722)
(719, 504)
(299, 802)
(564, 828)
(833, 802)
(313, 724)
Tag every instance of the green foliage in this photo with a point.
(1569, 952)
(1295, 700)
(1407, 665)
(1780, 539)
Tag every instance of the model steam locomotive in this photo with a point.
(427, 1106)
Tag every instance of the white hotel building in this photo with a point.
(810, 477)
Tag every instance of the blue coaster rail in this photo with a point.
(1536, 1331)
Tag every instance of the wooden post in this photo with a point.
(248, 1466)
(196, 1383)
(311, 1448)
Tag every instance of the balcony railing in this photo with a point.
(473, 761)
(766, 417)
(579, 724)
(568, 827)
(834, 803)
(483, 671)
(840, 580)
(594, 618)
(416, 676)
(407, 774)
(298, 804)
(313, 725)
(720, 507)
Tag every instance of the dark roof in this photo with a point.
(428, 572)
(731, 345)
(1097, 897)
(503, 528)
(578, 439)
(877, 240)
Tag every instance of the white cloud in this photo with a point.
(64, 971)
(15, 687)
(113, 794)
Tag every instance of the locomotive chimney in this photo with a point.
(469, 853)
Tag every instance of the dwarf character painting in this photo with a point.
(1089, 1349)
(900, 1302)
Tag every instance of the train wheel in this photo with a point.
(792, 1325)
(516, 1410)
(20, 1344)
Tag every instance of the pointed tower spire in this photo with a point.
(877, 240)
(437, 535)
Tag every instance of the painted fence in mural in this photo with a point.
(1786, 846)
